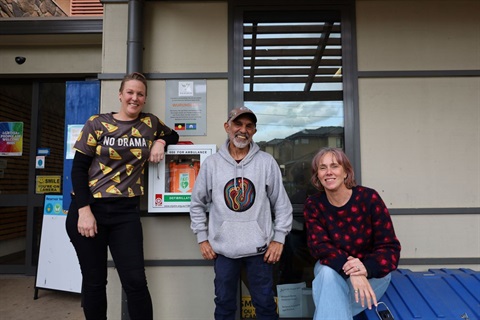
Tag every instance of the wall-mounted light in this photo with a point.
(20, 60)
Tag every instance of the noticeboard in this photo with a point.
(170, 182)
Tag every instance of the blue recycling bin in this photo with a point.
(446, 294)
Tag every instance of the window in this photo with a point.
(292, 80)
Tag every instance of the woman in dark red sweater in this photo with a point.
(351, 234)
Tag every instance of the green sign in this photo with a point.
(177, 198)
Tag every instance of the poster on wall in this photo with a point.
(186, 106)
(11, 138)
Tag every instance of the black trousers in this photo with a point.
(120, 230)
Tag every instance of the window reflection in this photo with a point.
(292, 132)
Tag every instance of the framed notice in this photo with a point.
(170, 182)
(186, 105)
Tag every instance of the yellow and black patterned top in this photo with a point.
(119, 150)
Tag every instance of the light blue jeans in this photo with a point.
(333, 295)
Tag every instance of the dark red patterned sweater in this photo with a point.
(362, 228)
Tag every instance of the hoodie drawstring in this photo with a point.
(235, 178)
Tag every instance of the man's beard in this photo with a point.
(241, 143)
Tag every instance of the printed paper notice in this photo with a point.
(73, 131)
(11, 138)
(186, 107)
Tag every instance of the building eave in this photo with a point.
(27, 26)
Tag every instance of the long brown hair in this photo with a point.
(342, 160)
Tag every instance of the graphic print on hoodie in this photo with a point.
(239, 194)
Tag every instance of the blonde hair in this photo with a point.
(342, 160)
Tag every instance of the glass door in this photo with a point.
(15, 124)
(31, 147)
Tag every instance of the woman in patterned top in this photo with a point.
(350, 233)
(107, 179)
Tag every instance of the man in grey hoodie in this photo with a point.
(249, 217)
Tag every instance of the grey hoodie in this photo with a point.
(242, 199)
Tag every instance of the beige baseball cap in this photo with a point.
(235, 113)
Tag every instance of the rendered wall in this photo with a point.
(115, 29)
(418, 34)
(420, 136)
(51, 54)
(185, 36)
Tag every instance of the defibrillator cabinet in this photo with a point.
(170, 182)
